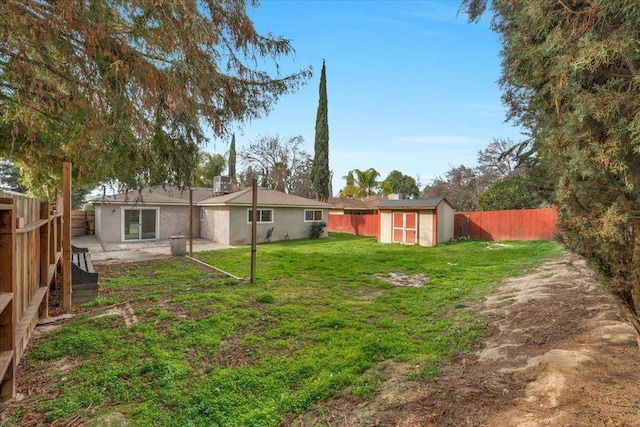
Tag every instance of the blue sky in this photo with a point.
(411, 85)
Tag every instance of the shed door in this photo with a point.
(405, 228)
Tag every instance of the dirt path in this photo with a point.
(558, 354)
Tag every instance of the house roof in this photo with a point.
(358, 203)
(156, 196)
(412, 203)
(266, 197)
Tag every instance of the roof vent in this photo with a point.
(222, 185)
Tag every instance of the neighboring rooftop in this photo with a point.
(413, 203)
(356, 203)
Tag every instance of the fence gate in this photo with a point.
(405, 227)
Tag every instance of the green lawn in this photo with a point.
(209, 351)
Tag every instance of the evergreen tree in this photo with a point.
(124, 89)
(10, 176)
(232, 159)
(320, 168)
(571, 76)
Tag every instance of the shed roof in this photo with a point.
(266, 197)
(413, 203)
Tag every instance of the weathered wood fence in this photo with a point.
(521, 224)
(30, 256)
(360, 225)
(82, 223)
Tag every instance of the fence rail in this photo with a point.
(360, 225)
(31, 251)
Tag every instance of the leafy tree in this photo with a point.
(571, 76)
(459, 185)
(246, 177)
(123, 89)
(350, 189)
(504, 158)
(10, 176)
(320, 172)
(278, 164)
(232, 159)
(210, 165)
(78, 196)
(360, 183)
(397, 183)
(513, 192)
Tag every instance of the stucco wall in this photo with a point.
(215, 224)
(229, 224)
(173, 220)
(108, 225)
(97, 213)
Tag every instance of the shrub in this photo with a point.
(317, 228)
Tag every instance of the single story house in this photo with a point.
(425, 222)
(148, 214)
(158, 213)
(227, 218)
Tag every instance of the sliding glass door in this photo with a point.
(140, 224)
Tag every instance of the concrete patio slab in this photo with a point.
(137, 251)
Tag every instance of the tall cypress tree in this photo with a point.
(320, 168)
(570, 73)
(232, 159)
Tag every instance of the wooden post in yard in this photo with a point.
(66, 236)
(190, 222)
(254, 228)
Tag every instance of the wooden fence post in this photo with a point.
(8, 315)
(254, 227)
(66, 236)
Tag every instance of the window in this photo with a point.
(310, 215)
(264, 215)
(201, 214)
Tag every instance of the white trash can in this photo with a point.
(178, 245)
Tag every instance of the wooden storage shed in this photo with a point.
(425, 222)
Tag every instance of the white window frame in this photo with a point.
(260, 216)
(201, 214)
(314, 211)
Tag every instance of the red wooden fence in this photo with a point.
(360, 225)
(523, 224)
